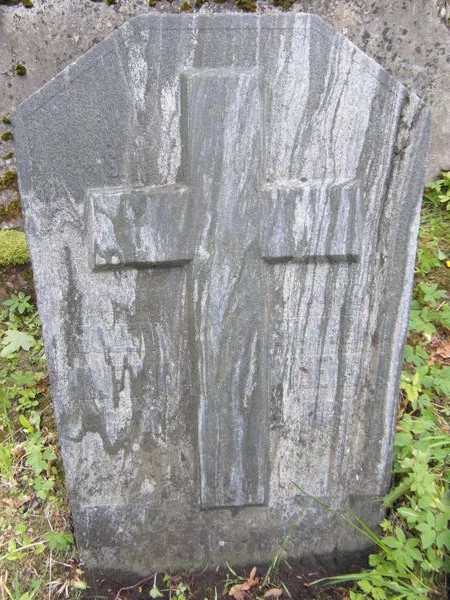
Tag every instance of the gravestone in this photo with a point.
(222, 213)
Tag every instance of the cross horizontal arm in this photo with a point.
(312, 222)
(146, 227)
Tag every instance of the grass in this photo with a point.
(37, 553)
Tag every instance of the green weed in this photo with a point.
(434, 236)
(438, 191)
(36, 543)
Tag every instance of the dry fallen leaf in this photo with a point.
(238, 594)
(439, 349)
(238, 590)
(443, 350)
(273, 593)
(18, 451)
(16, 503)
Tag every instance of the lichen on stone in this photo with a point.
(20, 69)
(10, 211)
(13, 248)
(8, 181)
(246, 5)
(6, 136)
(6, 119)
(284, 4)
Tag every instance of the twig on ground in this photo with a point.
(135, 585)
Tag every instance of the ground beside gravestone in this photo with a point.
(293, 579)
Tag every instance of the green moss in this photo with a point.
(185, 6)
(20, 69)
(109, 2)
(8, 155)
(284, 4)
(6, 136)
(247, 5)
(8, 181)
(6, 119)
(27, 3)
(13, 248)
(151, 2)
(10, 211)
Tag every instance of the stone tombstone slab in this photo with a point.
(222, 213)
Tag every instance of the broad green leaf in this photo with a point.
(26, 423)
(155, 592)
(14, 340)
(39, 549)
(427, 536)
(79, 584)
(408, 514)
(35, 460)
(443, 539)
(391, 542)
(59, 541)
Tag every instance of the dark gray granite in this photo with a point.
(222, 213)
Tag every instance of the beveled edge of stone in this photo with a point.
(201, 21)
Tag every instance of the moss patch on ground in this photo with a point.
(13, 248)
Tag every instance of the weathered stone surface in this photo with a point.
(406, 38)
(222, 215)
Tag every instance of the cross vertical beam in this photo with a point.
(222, 162)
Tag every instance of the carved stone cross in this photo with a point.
(224, 220)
